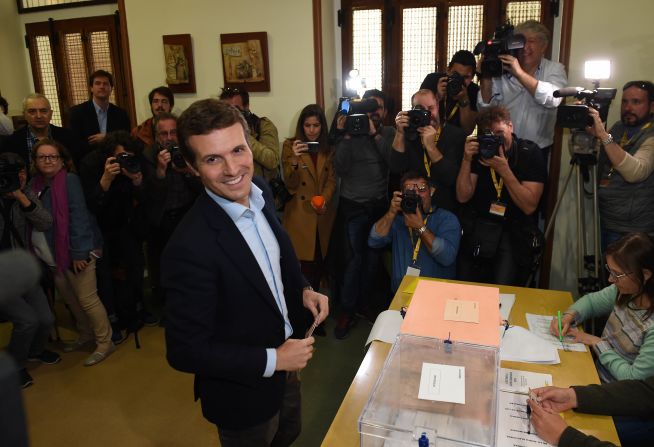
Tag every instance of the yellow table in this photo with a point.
(576, 368)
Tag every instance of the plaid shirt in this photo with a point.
(32, 140)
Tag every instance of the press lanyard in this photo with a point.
(498, 185)
(425, 156)
(453, 111)
(416, 249)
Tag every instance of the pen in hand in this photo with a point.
(560, 328)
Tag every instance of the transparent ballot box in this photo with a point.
(395, 415)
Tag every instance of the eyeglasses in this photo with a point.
(417, 187)
(617, 276)
(167, 134)
(43, 158)
(228, 90)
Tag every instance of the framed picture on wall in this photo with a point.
(178, 57)
(245, 61)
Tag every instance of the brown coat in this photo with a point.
(300, 219)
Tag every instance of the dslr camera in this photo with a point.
(128, 162)
(489, 145)
(575, 116)
(176, 156)
(418, 117)
(504, 41)
(357, 122)
(9, 180)
(410, 201)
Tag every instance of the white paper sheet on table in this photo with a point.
(386, 327)
(512, 423)
(516, 381)
(519, 345)
(506, 304)
(443, 383)
(540, 325)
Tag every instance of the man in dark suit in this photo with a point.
(234, 290)
(91, 120)
(38, 113)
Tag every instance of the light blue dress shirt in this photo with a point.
(102, 117)
(253, 225)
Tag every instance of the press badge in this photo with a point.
(413, 270)
(498, 209)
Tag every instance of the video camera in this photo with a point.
(9, 180)
(357, 122)
(128, 162)
(410, 201)
(504, 41)
(575, 116)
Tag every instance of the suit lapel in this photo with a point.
(230, 239)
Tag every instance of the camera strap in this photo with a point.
(425, 155)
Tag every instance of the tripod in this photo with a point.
(584, 164)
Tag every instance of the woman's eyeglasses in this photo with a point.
(43, 158)
(617, 276)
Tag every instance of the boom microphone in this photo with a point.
(567, 91)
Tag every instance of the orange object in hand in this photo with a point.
(318, 202)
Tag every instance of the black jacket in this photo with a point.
(83, 121)
(17, 142)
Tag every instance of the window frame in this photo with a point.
(28, 9)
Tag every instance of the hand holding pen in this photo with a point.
(561, 329)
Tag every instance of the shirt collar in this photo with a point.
(98, 108)
(234, 209)
(32, 135)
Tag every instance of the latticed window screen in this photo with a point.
(101, 54)
(39, 3)
(76, 72)
(518, 12)
(46, 72)
(464, 28)
(367, 46)
(418, 49)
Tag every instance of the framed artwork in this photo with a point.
(178, 57)
(245, 61)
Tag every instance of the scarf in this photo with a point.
(60, 215)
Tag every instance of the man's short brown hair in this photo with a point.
(202, 118)
(493, 114)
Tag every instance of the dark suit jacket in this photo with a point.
(17, 142)
(221, 314)
(83, 120)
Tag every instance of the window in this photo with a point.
(395, 43)
(42, 5)
(64, 53)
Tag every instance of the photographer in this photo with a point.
(171, 187)
(432, 150)
(526, 88)
(424, 238)
(626, 184)
(27, 306)
(361, 161)
(115, 192)
(502, 183)
(456, 93)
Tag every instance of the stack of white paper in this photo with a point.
(519, 345)
(506, 304)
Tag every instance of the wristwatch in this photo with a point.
(608, 140)
(464, 103)
(422, 230)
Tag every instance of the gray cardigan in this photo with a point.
(36, 215)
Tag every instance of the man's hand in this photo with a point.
(548, 424)
(556, 399)
(294, 354)
(340, 122)
(79, 266)
(163, 158)
(317, 303)
(471, 149)
(414, 220)
(499, 163)
(597, 129)
(566, 321)
(111, 170)
(396, 200)
(97, 138)
(441, 88)
(510, 64)
(401, 122)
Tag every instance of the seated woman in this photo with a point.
(626, 348)
(310, 177)
(71, 241)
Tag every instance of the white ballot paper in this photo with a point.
(506, 304)
(515, 381)
(540, 325)
(443, 383)
(513, 428)
(386, 327)
(520, 345)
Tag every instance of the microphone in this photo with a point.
(567, 91)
